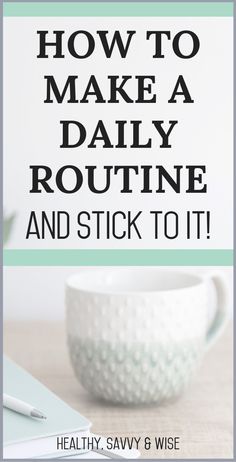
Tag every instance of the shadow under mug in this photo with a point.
(138, 335)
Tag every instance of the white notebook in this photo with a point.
(24, 437)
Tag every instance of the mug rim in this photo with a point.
(72, 281)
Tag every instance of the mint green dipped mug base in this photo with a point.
(137, 336)
(134, 373)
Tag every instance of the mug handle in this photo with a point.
(222, 311)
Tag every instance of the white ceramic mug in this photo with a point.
(137, 335)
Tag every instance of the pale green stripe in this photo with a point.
(117, 9)
(76, 257)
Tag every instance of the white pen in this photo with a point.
(20, 406)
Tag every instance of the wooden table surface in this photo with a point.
(202, 418)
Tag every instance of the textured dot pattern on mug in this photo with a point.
(137, 346)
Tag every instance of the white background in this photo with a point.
(32, 136)
(39, 292)
(203, 136)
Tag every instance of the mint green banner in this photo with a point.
(117, 9)
(76, 257)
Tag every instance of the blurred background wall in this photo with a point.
(38, 292)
